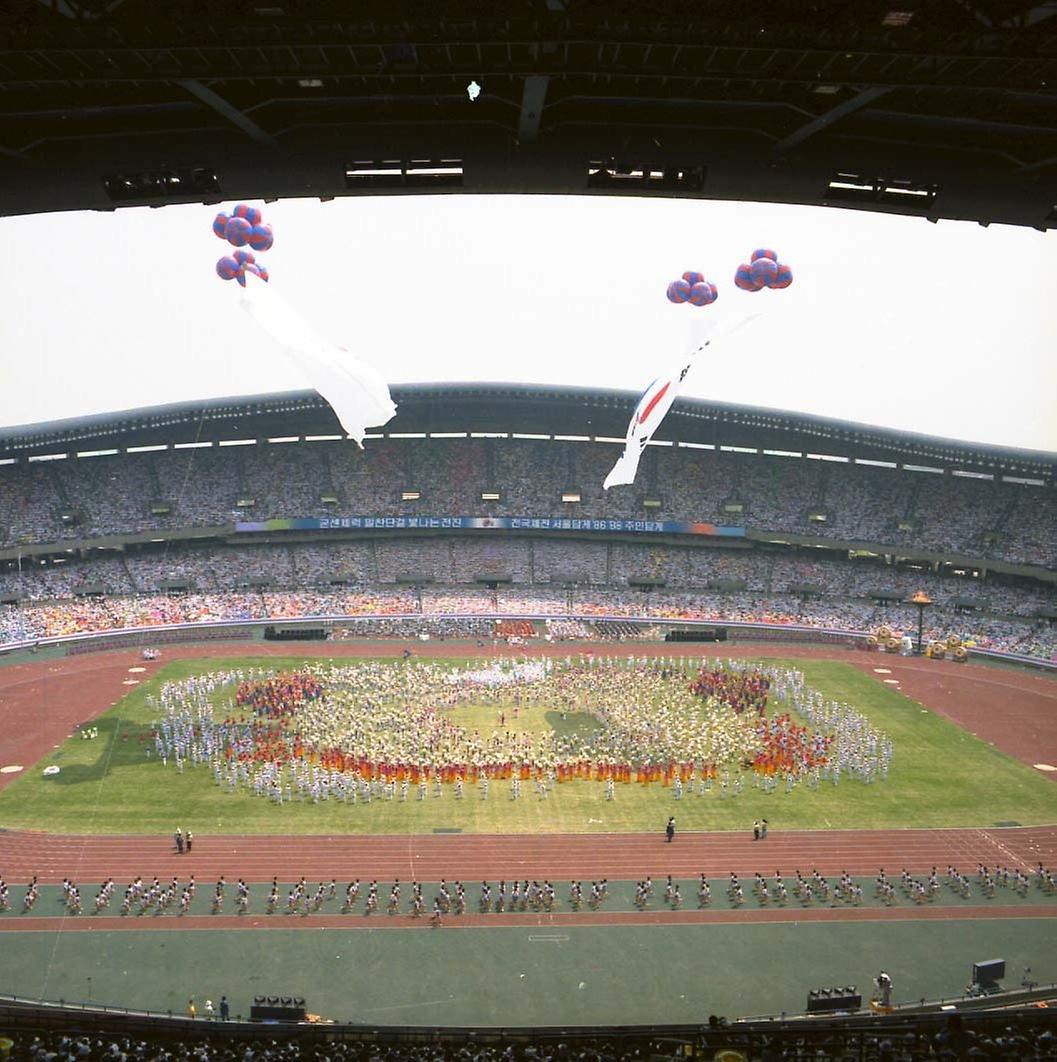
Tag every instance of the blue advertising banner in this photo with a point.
(492, 523)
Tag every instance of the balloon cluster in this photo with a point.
(763, 271)
(693, 288)
(243, 226)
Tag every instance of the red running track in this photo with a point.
(555, 856)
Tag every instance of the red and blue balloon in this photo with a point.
(243, 226)
(692, 287)
(763, 270)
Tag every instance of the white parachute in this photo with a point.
(354, 390)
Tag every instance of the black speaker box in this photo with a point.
(829, 999)
(986, 973)
(295, 634)
(277, 1008)
(698, 634)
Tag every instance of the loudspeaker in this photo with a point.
(295, 634)
(987, 973)
(829, 999)
(277, 1008)
(698, 634)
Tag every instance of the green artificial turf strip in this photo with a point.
(421, 976)
(940, 776)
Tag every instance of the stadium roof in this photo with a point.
(491, 408)
(936, 108)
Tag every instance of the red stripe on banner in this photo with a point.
(653, 402)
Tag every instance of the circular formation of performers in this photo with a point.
(373, 730)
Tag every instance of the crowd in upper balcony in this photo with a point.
(90, 497)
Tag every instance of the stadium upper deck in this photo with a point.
(488, 451)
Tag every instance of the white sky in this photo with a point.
(947, 329)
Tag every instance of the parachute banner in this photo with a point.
(652, 408)
(763, 271)
(359, 397)
(354, 390)
(657, 399)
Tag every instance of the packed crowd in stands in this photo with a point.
(345, 562)
(216, 486)
(198, 1045)
(35, 619)
(483, 574)
(1009, 1036)
(532, 568)
(427, 627)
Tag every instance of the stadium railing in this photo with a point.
(854, 1031)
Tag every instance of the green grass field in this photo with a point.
(484, 718)
(941, 776)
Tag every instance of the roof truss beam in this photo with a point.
(849, 106)
(226, 110)
(533, 98)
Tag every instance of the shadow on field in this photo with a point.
(114, 748)
(77, 773)
(572, 723)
